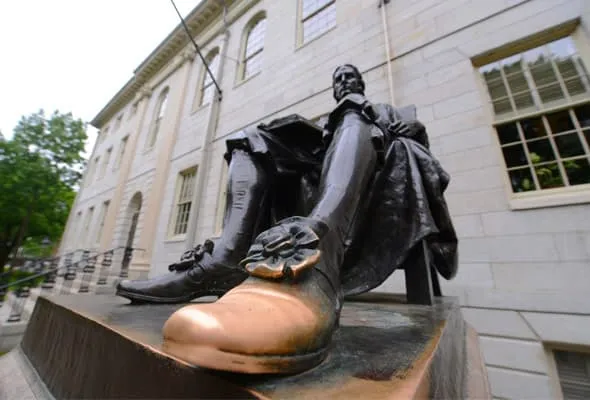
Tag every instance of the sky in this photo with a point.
(75, 55)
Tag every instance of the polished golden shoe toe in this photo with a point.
(257, 327)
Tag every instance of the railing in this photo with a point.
(74, 272)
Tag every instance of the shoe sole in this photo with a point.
(208, 357)
(142, 298)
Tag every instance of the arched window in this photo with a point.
(253, 46)
(157, 120)
(207, 86)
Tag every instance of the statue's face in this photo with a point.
(346, 81)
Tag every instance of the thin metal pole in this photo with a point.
(197, 48)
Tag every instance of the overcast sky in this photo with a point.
(74, 55)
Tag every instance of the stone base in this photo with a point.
(101, 347)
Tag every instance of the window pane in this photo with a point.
(569, 145)
(533, 128)
(319, 23)
(571, 78)
(310, 6)
(521, 180)
(517, 82)
(578, 171)
(587, 135)
(514, 155)
(163, 103)
(551, 93)
(208, 94)
(549, 176)
(502, 106)
(213, 64)
(540, 151)
(523, 100)
(583, 115)
(494, 81)
(560, 122)
(508, 133)
(255, 40)
(253, 65)
(574, 374)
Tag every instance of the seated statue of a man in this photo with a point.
(307, 221)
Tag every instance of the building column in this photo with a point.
(153, 204)
(108, 230)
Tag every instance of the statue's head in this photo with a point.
(347, 79)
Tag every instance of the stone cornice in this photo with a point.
(197, 21)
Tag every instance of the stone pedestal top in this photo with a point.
(102, 347)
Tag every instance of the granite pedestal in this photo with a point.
(102, 347)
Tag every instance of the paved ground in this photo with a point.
(18, 380)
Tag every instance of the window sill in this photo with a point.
(301, 44)
(557, 198)
(175, 239)
(201, 107)
(243, 81)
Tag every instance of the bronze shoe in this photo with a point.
(258, 327)
(262, 325)
(198, 274)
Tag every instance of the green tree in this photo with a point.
(40, 168)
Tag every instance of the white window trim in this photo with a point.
(300, 42)
(260, 16)
(174, 211)
(154, 131)
(103, 216)
(199, 101)
(564, 196)
(106, 160)
(121, 152)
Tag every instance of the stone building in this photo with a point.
(502, 87)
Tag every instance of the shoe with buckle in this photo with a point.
(197, 274)
(279, 320)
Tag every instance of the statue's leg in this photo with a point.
(281, 319)
(212, 268)
(247, 206)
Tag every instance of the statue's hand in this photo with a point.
(285, 250)
(399, 128)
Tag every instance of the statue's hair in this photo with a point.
(356, 71)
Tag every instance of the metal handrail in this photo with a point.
(54, 270)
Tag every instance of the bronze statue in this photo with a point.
(311, 216)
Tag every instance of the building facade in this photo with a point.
(503, 89)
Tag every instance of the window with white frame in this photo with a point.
(75, 232)
(105, 162)
(160, 111)
(254, 44)
(573, 369)
(133, 110)
(541, 104)
(102, 134)
(183, 203)
(92, 170)
(103, 214)
(118, 122)
(87, 222)
(207, 87)
(121, 153)
(317, 17)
